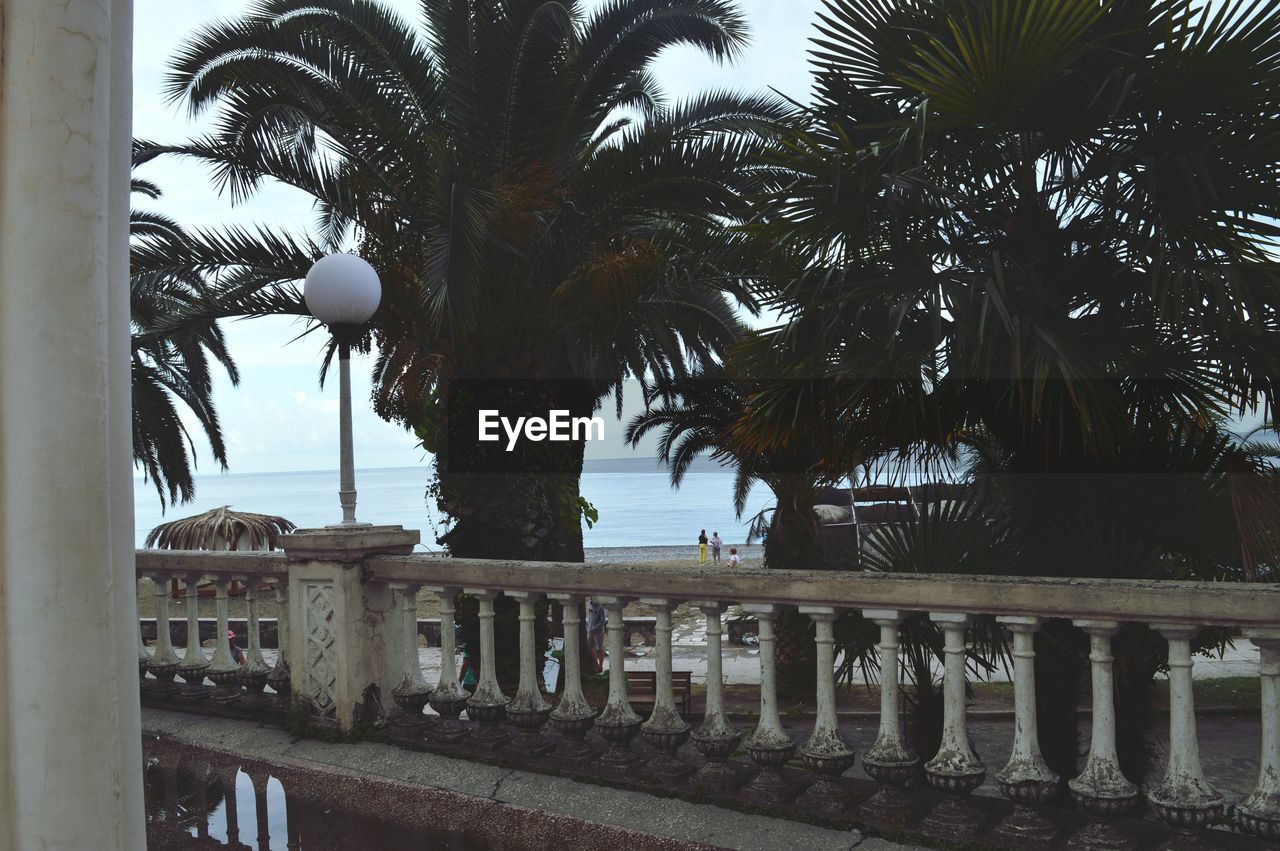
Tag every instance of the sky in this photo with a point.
(278, 418)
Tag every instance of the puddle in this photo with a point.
(199, 805)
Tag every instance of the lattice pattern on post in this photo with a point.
(319, 650)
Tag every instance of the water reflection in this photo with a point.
(196, 805)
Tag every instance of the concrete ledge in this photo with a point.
(511, 802)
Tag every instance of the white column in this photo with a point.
(1184, 797)
(411, 690)
(889, 753)
(826, 752)
(716, 739)
(955, 768)
(164, 660)
(487, 704)
(1101, 788)
(573, 704)
(447, 687)
(254, 671)
(66, 532)
(280, 677)
(346, 451)
(769, 746)
(1259, 815)
(528, 695)
(665, 717)
(194, 663)
(223, 669)
(1026, 779)
(618, 723)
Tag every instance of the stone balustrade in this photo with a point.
(353, 658)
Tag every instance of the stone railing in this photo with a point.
(356, 641)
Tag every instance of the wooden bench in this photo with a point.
(642, 690)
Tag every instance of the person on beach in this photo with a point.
(237, 652)
(596, 621)
(734, 561)
(702, 547)
(715, 546)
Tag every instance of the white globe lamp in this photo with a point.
(343, 292)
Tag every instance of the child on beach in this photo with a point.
(734, 561)
(702, 547)
(715, 546)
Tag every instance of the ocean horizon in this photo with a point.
(637, 505)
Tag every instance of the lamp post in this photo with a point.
(343, 291)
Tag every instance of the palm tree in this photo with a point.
(170, 364)
(529, 198)
(1042, 234)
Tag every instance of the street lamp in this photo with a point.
(343, 291)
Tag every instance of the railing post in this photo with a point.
(1259, 815)
(1026, 779)
(194, 663)
(412, 691)
(618, 723)
(890, 762)
(487, 704)
(528, 710)
(223, 669)
(254, 671)
(1101, 789)
(665, 729)
(769, 746)
(1184, 798)
(164, 662)
(955, 770)
(144, 659)
(573, 715)
(826, 752)
(448, 698)
(716, 739)
(280, 677)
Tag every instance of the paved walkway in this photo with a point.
(678, 820)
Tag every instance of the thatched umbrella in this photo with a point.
(220, 529)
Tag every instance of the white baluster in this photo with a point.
(1101, 789)
(573, 715)
(769, 746)
(665, 729)
(1026, 779)
(528, 710)
(144, 659)
(224, 670)
(1184, 798)
(194, 663)
(890, 762)
(164, 662)
(716, 739)
(956, 769)
(411, 693)
(1259, 815)
(448, 698)
(255, 670)
(618, 723)
(280, 678)
(826, 752)
(488, 704)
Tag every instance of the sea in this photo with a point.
(638, 506)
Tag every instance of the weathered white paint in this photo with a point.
(164, 636)
(955, 757)
(281, 674)
(65, 464)
(889, 746)
(617, 711)
(825, 740)
(1101, 778)
(410, 680)
(665, 717)
(528, 696)
(573, 703)
(1184, 785)
(768, 733)
(194, 663)
(488, 692)
(447, 687)
(347, 462)
(254, 662)
(1026, 763)
(715, 724)
(1263, 803)
(222, 658)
